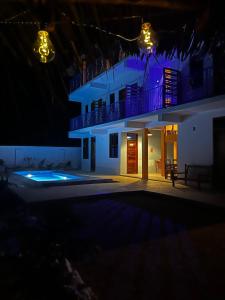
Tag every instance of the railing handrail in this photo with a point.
(146, 100)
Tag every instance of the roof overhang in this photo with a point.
(130, 68)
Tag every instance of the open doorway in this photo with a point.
(169, 146)
(162, 156)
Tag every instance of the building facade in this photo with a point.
(140, 116)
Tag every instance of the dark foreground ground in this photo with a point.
(128, 246)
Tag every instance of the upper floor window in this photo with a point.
(113, 145)
(93, 105)
(97, 104)
(122, 95)
(85, 148)
(112, 99)
(196, 72)
(112, 102)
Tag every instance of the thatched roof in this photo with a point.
(178, 24)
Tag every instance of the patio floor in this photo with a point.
(118, 184)
(134, 246)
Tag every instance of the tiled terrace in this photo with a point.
(119, 184)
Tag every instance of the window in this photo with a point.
(99, 103)
(85, 148)
(113, 145)
(112, 102)
(122, 95)
(196, 72)
(93, 105)
(112, 99)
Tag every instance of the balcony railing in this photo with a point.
(140, 101)
(149, 100)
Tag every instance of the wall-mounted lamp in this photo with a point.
(149, 133)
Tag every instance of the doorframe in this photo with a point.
(135, 141)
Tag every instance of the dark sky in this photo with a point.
(34, 106)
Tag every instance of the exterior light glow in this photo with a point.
(149, 133)
(29, 175)
(43, 47)
(146, 39)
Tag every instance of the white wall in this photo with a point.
(195, 139)
(123, 154)
(14, 155)
(105, 164)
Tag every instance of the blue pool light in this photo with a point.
(48, 175)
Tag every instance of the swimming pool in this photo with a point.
(48, 176)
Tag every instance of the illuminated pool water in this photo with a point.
(47, 176)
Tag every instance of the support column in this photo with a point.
(145, 153)
(163, 151)
(175, 150)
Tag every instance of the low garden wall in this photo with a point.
(38, 156)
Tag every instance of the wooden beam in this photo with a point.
(163, 4)
(178, 5)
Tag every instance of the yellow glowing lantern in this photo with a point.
(43, 47)
(146, 40)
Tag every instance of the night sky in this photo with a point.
(34, 104)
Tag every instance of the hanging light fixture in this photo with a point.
(43, 47)
(146, 40)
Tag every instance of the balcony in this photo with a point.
(131, 106)
(174, 91)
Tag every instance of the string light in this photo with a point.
(146, 39)
(43, 47)
(44, 50)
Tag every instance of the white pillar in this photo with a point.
(145, 153)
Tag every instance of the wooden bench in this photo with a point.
(197, 173)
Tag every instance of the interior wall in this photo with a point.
(154, 150)
(139, 152)
(169, 151)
